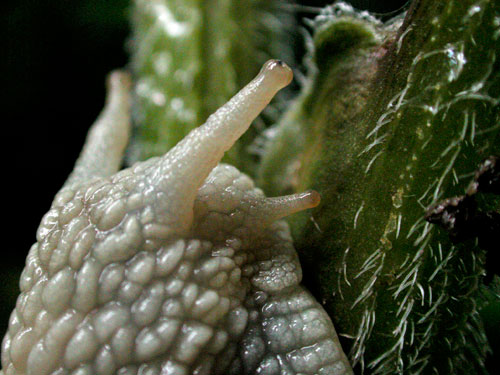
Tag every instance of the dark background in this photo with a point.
(54, 56)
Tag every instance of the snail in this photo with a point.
(176, 265)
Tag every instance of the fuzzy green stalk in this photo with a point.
(189, 57)
(396, 117)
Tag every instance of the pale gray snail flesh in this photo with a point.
(174, 266)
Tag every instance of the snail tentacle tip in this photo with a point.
(119, 78)
(312, 197)
(275, 208)
(277, 71)
(118, 87)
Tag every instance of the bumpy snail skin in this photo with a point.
(174, 266)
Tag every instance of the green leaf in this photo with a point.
(392, 121)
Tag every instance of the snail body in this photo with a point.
(176, 265)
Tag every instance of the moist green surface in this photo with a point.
(392, 122)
